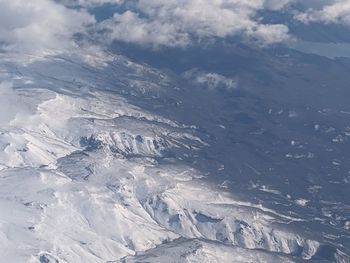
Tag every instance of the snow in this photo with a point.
(81, 180)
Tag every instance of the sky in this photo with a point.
(40, 26)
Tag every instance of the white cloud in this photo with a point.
(89, 3)
(50, 25)
(276, 4)
(129, 27)
(269, 34)
(178, 22)
(210, 80)
(335, 12)
(11, 104)
(39, 25)
(98, 2)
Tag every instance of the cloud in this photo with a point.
(210, 80)
(334, 12)
(180, 22)
(11, 104)
(276, 4)
(39, 25)
(129, 27)
(89, 3)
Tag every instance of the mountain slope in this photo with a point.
(86, 176)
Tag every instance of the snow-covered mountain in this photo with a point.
(174, 131)
(87, 176)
